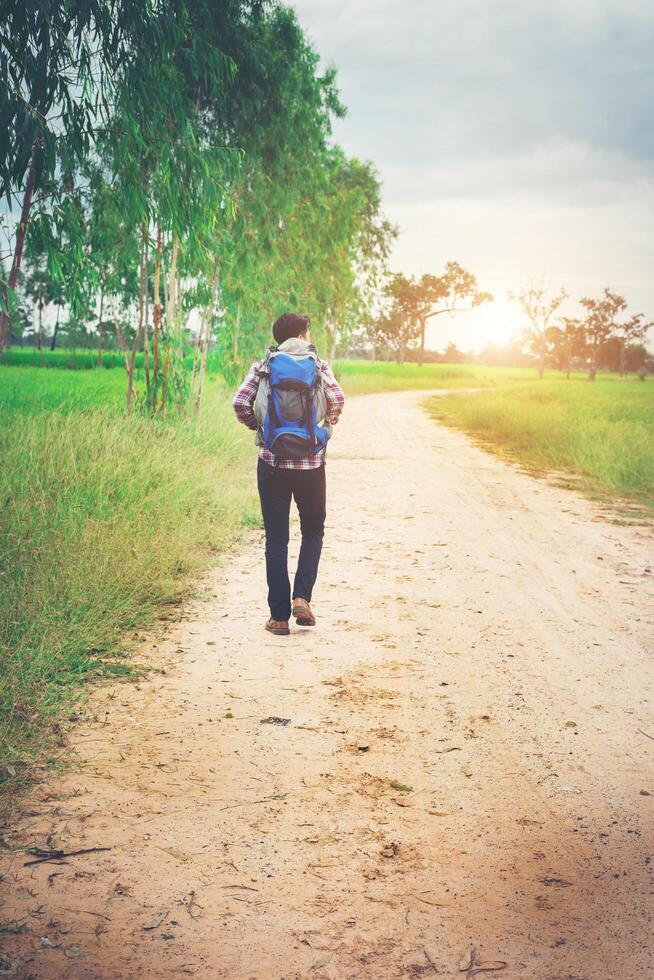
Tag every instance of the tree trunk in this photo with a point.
(172, 305)
(170, 315)
(197, 354)
(137, 338)
(331, 341)
(197, 380)
(20, 242)
(100, 327)
(53, 342)
(146, 311)
(164, 282)
(541, 366)
(207, 333)
(121, 343)
(237, 327)
(40, 337)
(421, 357)
(623, 357)
(592, 370)
(197, 349)
(156, 319)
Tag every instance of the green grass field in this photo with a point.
(66, 358)
(78, 359)
(367, 377)
(601, 433)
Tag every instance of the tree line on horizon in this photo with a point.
(607, 337)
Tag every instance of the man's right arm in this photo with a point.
(243, 401)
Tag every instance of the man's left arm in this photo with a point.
(333, 394)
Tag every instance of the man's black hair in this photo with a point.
(290, 325)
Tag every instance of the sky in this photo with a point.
(513, 136)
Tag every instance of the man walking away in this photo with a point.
(291, 399)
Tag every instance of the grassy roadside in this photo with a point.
(105, 520)
(368, 377)
(599, 433)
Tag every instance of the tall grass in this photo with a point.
(601, 432)
(104, 520)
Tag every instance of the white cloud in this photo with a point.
(514, 136)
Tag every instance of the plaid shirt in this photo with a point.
(243, 403)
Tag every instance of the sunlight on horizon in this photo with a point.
(492, 323)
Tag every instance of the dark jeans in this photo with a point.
(276, 487)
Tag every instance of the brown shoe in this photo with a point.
(302, 613)
(278, 626)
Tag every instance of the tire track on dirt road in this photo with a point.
(463, 763)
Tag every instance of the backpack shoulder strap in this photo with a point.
(265, 364)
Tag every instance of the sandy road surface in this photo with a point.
(463, 765)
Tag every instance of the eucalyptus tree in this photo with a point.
(349, 242)
(58, 67)
(206, 181)
(169, 166)
(278, 114)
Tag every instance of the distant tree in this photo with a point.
(566, 342)
(608, 356)
(455, 291)
(415, 301)
(512, 354)
(601, 323)
(37, 289)
(452, 354)
(539, 310)
(630, 332)
(638, 358)
(398, 324)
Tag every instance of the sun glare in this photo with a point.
(496, 323)
(491, 323)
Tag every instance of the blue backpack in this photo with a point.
(292, 427)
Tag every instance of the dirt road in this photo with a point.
(465, 759)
